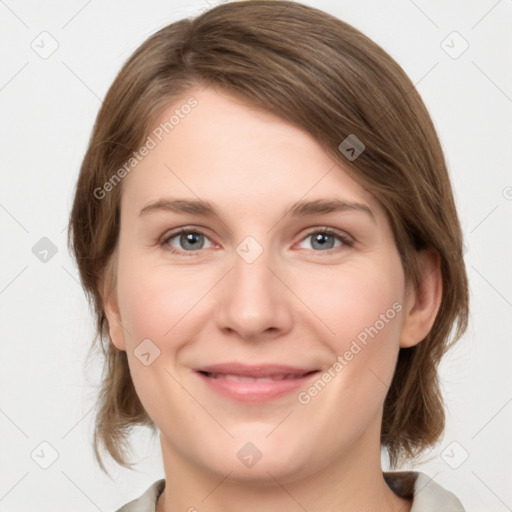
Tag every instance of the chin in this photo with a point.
(252, 458)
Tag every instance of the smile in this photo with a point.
(254, 384)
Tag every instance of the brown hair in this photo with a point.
(330, 80)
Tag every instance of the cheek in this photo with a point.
(155, 302)
(361, 311)
(361, 306)
(157, 305)
(354, 299)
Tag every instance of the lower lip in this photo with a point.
(255, 391)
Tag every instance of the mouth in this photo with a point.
(254, 384)
(243, 378)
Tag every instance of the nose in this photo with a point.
(255, 302)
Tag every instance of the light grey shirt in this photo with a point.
(427, 495)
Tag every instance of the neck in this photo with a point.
(353, 481)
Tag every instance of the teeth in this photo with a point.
(253, 379)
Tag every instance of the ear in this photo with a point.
(115, 326)
(422, 303)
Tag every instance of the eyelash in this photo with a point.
(348, 242)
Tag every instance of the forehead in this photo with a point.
(227, 151)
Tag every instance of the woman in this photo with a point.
(266, 227)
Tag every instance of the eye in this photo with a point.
(188, 240)
(192, 240)
(324, 239)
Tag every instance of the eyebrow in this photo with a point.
(298, 209)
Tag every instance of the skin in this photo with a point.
(296, 304)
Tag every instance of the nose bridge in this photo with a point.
(253, 299)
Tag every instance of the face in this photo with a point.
(261, 338)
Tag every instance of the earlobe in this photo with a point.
(115, 325)
(422, 304)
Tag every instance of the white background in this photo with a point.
(47, 113)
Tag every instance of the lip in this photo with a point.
(237, 381)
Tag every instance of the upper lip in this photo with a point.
(256, 371)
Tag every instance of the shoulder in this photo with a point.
(147, 501)
(427, 495)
